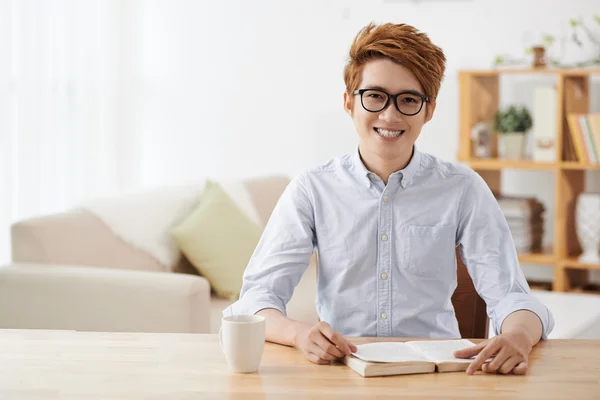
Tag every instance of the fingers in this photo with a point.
(338, 340)
(514, 364)
(315, 359)
(509, 364)
(353, 348)
(520, 369)
(471, 351)
(499, 360)
(486, 353)
(322, 344)
(324, 348)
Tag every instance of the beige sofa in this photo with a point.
(70, 271)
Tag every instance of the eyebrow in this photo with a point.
(385, 90)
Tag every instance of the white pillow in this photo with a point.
(144, 217)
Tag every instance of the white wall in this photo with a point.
(238, 87)
(241, 88)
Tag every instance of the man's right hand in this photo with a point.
(321, 344)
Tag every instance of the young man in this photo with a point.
(385, 221)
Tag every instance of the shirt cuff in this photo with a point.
(253, 301)
(522, 301)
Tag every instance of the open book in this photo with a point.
(415, 357)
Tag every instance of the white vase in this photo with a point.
(588, 226)
(513, 145)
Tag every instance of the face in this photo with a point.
(387, 134)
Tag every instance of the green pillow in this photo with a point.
(218, 238)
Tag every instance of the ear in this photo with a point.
(430, 108)
(348, 103)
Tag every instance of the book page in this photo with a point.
(442, 350)
(388, 352)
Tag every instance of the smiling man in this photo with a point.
(386, 220)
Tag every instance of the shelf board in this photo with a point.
(573, 262)
(581, 71)
(591, 288)
(574, 165)
(545, 286)
(498, 164)
(534, 71)
(545, 258)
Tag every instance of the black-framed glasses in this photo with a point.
(408, 102)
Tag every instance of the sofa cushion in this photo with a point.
(76, 237)
(218, 238)
(265, 193)
(143, 216)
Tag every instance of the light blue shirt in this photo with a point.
(387, 262)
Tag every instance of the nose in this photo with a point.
(391, 113)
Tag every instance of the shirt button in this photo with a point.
(384, 315)
(372, 175)
(384, 276)
(385, 198)
(403, 182)
(384, 237)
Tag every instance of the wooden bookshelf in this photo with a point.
(545, 258)
(479, 100)
(572, 262)
(579, 166)
(492, 164)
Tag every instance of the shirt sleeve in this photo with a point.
(282, 254)
(487, 248)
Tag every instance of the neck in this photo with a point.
(385, 166)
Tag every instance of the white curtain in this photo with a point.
(65, 105)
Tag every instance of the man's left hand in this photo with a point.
(510, 352)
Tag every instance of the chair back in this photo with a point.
(469, 307)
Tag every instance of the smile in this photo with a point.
(387, 133)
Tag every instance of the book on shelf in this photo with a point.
(525, 219)
(520, 207)
(584, 130)
(412, 357)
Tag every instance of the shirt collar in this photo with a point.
(413, 166)
(407, 173)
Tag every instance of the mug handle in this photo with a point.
(221, 337)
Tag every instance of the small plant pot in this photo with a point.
(539, 57)
(512, 145)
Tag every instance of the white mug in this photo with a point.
(242, 339)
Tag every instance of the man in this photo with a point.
(386, 221)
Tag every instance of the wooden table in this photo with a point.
(78, 365)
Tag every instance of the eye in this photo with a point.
(410, 100)
(376, 96)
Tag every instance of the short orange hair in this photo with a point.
(402, 44)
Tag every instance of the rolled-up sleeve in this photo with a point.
(487, 249)
(282, 254)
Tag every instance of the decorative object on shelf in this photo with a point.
(588, 226)
(579, 34)
(512, 124)
(536, 55)
(545, 130)
(481, 136)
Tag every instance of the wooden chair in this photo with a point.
(469, 307)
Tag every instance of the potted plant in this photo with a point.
(512, 124)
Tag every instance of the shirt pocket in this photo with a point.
(429, 249)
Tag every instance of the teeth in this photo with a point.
(386, 133)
